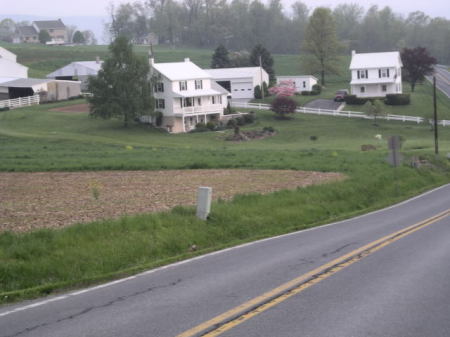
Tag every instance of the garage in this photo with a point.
(242, 90)
(240, 82)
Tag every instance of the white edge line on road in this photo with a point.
(105, 285)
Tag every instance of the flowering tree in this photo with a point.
(283, 89)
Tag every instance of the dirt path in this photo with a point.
(30, 201)
(84, 107)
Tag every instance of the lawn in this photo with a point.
(38, 139)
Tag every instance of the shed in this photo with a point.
(302, 82)
(51, 90)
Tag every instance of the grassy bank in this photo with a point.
(37, 139)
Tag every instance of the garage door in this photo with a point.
(242, 90)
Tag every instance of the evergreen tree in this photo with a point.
(257, 92)
(266, 60)
(220, 58)
(78, 38)
(122, 88)
(321, 42)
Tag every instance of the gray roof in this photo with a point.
(50, 24)
(24, 82)
(27, 30)
(219, 88)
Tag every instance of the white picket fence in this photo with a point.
(337, 113)
(20, 102)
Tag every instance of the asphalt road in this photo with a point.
(401, 289)
(442, 79)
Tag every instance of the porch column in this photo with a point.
(182, 121)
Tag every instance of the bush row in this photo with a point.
(391, 99)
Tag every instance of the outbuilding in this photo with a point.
(78, 71)
(50, 90)
(240, 82)
(302, 82)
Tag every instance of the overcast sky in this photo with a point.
(63, 8)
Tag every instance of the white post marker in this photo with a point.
(204, 195)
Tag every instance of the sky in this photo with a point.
(64, 8)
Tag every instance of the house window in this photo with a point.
(159, 87)
(363, 74)
(198, 84)
(188, 101)
(183, 85)
(362, 90)
(383, 73)
(199, 101)
(304, 84)
(384, 88)
(220, 99)
(160, 104)
(213, 98)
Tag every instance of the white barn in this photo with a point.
(302, 82)
(77, 71)
(240, 82)
(186, 95)
(376, 74)
(9, 68)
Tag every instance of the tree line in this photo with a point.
(241, 24)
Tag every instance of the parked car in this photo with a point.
(340, 95)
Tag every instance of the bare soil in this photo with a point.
(30, 201)
(73, 108)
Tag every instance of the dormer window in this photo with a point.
(363, 74)
(183, 85)
(383, 73)
(198, 84)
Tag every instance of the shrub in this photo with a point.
(265, 89)
(316, 89)
(211, 126)
(159, 118)
(313, 138)
(258, 92)
(397, 99)
(353, 100)
(200, 127)
(306, 93)
(249, 118)
(228, 110)
(4, 108)
(283, 106)
(268, 129)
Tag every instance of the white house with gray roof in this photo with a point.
(78, 71)
(240, 82)
(376, 74)
(186, 95)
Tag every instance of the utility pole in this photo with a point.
(261, 73)
(436, 145)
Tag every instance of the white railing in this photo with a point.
(337, 113)
(20, 102)
(206, 109)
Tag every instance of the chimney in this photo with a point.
(151, 58)
(97, 59)
(353, 53)
(187, 59)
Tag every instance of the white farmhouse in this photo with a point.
(240, 82)
(186, 95)
(78, 71)
(302, 82)
(376, 74)
(9, 68)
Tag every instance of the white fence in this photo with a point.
(337, 113)
(20, 102)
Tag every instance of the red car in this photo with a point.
(340, 95)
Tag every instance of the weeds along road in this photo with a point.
(383, 274)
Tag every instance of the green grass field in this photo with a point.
(37, 139)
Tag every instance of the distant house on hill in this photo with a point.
(55, 28)
(78, 71)
(376, 74)
(186, 95)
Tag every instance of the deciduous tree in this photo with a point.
(417, 63)
(123, 87)
(44, 37)
(78, 38)
(321, 42)
(283, 106)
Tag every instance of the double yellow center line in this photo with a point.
(259, 304)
